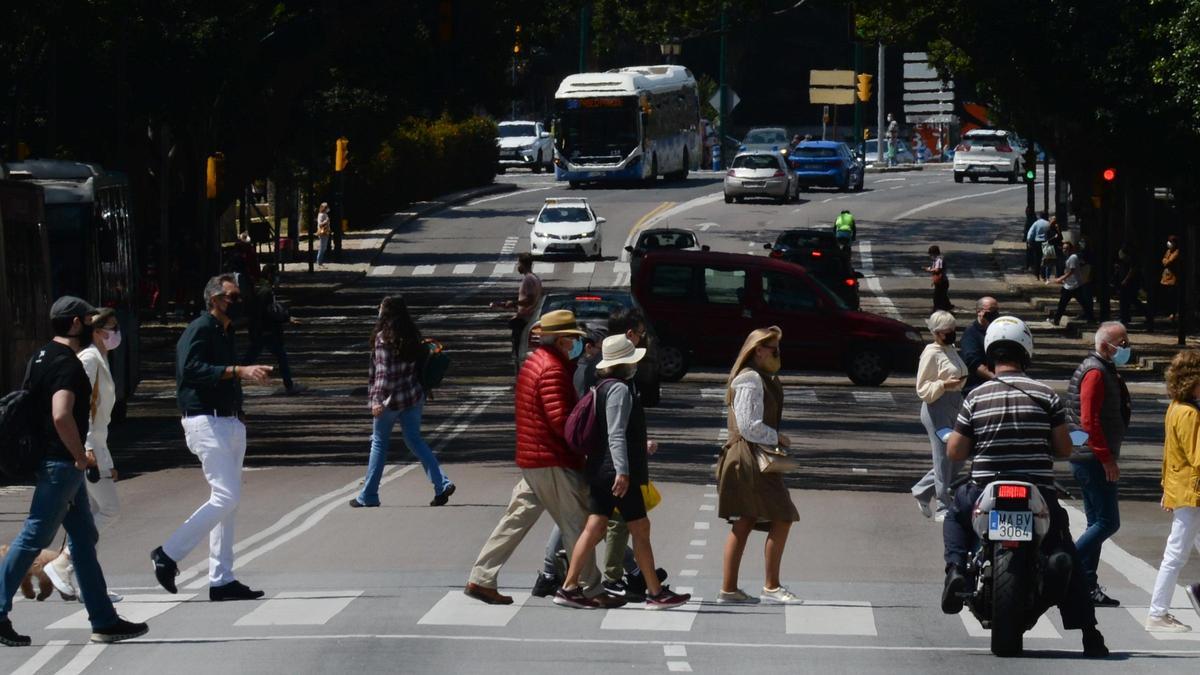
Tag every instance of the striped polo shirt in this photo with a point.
(1010, 429)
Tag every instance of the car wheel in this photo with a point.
(672, 363)
(958, 177)
(728, 199)
(974, 179)
(574, 184)
(867, 367)
(537, 167)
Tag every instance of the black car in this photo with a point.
(592, 309)
(662, 239)
(818, 252)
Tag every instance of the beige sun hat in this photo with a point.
(560, 322)
(618, 349)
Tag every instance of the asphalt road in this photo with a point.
(379, 590)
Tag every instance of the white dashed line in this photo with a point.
(465, 268)
(699, 525)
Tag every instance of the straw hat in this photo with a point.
(560, 322)
(618, 349)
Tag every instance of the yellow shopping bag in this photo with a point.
(650, 496)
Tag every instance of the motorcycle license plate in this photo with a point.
(1010, 526)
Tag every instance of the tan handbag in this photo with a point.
(773, 459)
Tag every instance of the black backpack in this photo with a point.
(20, 451)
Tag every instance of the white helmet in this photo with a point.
(1009, 329)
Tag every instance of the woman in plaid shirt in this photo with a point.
(395, 394)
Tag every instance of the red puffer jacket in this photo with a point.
(544, 398)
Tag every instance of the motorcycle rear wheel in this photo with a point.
(1009, 590)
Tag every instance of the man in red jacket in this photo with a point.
(551, 472)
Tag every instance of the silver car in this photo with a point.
(760, 174)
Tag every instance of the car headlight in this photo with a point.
(913, 336)
(539, 234)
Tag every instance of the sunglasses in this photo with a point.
(232, 297)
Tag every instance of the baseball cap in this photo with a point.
(69, 307)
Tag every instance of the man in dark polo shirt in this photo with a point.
(1013, 426)
(209, 392)
(61, 404)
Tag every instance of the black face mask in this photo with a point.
(234, 310)
(950, 338)
(991, 316)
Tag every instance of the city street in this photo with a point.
(380, 590)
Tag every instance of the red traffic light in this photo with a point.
(1109, 175)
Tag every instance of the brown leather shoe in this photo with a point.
(489, 595)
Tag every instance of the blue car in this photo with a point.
(827, 164)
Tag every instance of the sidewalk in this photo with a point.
(1152, 351)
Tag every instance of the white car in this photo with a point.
(524, 144)
(989, 153)
(565, 226)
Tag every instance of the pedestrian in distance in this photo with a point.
(1015, 425)
(1168, 283)
(941, 374)
(893, 139)
(208, 389)
(616, 478)
(1054, 237)
(528, 297)
(1072, 281)
(1129, 285)
(971, 350)
(551, 473)
(1035, 241)
(61, 406)
(939, 279)
(749, 497)
(101, 473)
(395, 394)
(267, 320)
(324, 232)
(1181, 492)
(1098, 402)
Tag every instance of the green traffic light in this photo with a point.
(1030, 175)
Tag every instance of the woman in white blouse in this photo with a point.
(940, 377)
(102, 493)
(748, 497)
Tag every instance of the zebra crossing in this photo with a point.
(497, 269)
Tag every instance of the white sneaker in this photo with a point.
(60, 570)
(112, 597)
(1166, 624)
(781, 596)
(736, 597)
(939, 517)
(923, 505)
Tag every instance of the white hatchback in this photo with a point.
(989, 153)
(565, 226)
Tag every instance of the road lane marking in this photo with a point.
(708, 507)
(939, 202)
(867, 266)
(803, 395)
(543, 268)
(456, 609)
(679, 667)
(689, 573)
(641, 222)
(584, 268)
(135, 608)
(299, 608)
(423, 270)
(503, 269)
(505, 195)
(698, 542)
(86, 656)
(695, 556)
(700, 525)
(903, 272)
(1042, 629)
(873, 396)
(821, 617)
(43, 656)
(674, 650)
(679, 619)
(887, 180)
(510, 245)
(464, 268)
(382, 271)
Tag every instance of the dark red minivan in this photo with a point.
(703, 304)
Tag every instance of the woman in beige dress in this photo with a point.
(749, 498)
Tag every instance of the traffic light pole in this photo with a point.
(857, 102)
(724, 107)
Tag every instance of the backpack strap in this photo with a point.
(28, 372)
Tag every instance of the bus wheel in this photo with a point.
(683, 171)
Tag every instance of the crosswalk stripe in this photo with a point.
(822, 617)
(382, 271)
(464, 268)
(424, 270)
(802, 395)
(135, 608)
(873, 397)
(637, 617)
(621, 268)
(543, 268)
(504, 268)
(585, 267)
(302, 608)
(43, 656)
(1042, 629)
(456, 609)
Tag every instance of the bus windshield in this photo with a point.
(67, 226)
(601, 132)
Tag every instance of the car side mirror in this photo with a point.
(529, 220)
(768, 246)
(705, 247)
(544, 134)
(629, 248)
(600, 221)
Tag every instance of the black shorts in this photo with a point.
(601, 501)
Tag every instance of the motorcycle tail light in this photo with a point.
(1012, 492)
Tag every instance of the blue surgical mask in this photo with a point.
(1122, 356)
(576, 349)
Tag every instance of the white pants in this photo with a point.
(102, 496)
(1185, 533)
(220, 444)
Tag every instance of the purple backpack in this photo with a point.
(584, 433)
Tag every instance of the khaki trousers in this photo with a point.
(563, 493)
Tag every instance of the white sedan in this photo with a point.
(565, 226)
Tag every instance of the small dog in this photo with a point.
(45, 588)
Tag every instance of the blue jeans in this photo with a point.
(59, 500)
(1103, 514)
(381, 441)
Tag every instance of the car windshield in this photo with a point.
(986, 141)
(517, 130)
(588, 306)
(755, 162)
(763, 136)
(564, 214)
(667, 240)
(815, 152)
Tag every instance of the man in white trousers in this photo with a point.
(209, 393)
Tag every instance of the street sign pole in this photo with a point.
(723, 108)
(880, 130)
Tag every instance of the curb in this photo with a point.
(894, 169)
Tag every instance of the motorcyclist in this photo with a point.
(1014, 425)
(844, 230)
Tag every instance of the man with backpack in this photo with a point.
(552, 478)
(57, 408)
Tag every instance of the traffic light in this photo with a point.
(1109, 175)
(214, 175)
(1030, 165)
(864, 87)
(517, 40)
(341, 154)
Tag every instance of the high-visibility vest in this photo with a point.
(844, 223)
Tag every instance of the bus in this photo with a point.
(91, 249)
(24, 280)
(627, 124)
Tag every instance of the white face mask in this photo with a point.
(112, 339)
